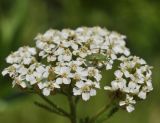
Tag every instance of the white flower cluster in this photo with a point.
(83, 78)
(73, 59)
(66, 45)
(24, 55)
(133, 80)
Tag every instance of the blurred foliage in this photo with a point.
(21, 20)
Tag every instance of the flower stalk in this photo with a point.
(99, 113)
(73, 113)
(50, 109)
(62, 111)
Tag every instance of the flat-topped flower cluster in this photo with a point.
(75, 59)
(133, 80)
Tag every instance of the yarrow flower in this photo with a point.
(133, 80)
(86, 89)
(24, 55)
(74, 59)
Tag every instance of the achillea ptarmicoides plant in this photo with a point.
(70, 62)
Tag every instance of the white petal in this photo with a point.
(42, 53)
(113, 56)
(59, 51)
(67, 57)
(32, 51)
(22, 71)
(118, 74)
(59, 81)
(66, 81)
(142, 61)
(51, 58)
(97, 85)
(108, 66)
(31, 79)
(80, 84)
(84, 73)
(9, 60)
(107, 88)
(126, 52)
(81, 54)
(40, 85)
(27, 61)
(38, 75)
(85, 96)
(23, 84)
(92, 92)
(76, 91)
(46, 74)
(4, 72)
(130, 108)
(60, 58)
(127, 74)
(74, 46)
(33, 82)
(57, 70)
(132, 85)
(40, 69)
(142, 95)
(46, 91)
(56, 85)
(122, 84)
(98, 77)
(114, 85)
(122, 103)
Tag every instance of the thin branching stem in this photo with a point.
(113, 110)
(43, 106)
(99, 113)
(54, 105)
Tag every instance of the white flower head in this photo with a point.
(48, 86)
(128, 103)
(132, 78)
(24, 55)
(64, 75)
(75, 60)
(85, 88)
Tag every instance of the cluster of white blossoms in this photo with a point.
(133, 80)
(74, 59)
(67, 45)
(24, 55)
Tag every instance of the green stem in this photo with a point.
(54, 108)
(113, 110)
(54, 105)
(99, 113)
(43, 106)
(72, 104)
(77, 100)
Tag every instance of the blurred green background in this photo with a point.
(21, 20)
